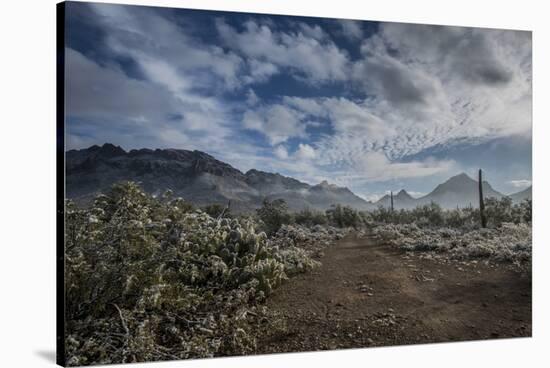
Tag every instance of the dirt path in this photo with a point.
(369, 294)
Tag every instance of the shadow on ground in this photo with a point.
(48, 355)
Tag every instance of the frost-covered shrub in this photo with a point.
(309, 238)
(217, 210)
(508, 243)
(498, 211)
(152, 279)
(344, 216)
(309, 217)
(296, 260)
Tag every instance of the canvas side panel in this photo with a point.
(60, 184)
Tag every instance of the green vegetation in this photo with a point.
(309, 217)
(344, 216)
(273, 215)
(217, 210)
(497, 212)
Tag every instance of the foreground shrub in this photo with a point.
(152, 279)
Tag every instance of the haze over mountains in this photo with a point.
(202, 179)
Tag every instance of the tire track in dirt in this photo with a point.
(371, 294)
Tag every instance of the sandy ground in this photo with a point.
(370, 294)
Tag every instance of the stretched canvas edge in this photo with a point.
(60, 184)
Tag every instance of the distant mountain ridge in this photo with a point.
(522, 195)
(202, 179)
(459, 190)
(400, 200)
(196, 176)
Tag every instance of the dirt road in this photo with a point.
(370, 294)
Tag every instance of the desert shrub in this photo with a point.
(501, 211)
(498, 211)
(309, 217)
(525, 211)
(147, 279)
(343, 216)
(273, 215)
(216, 210)
(383, 214)
(429, 214)
(466, 218)
(508, 243)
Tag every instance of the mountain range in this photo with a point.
(201, 179)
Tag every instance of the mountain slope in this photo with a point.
(522, 195)
(195, 176)
(459, 190)
(202, 179)
(401, 200)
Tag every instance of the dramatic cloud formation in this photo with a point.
(368, 105)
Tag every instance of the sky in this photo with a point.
(367, 105)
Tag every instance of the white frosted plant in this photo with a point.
(507, 243)
(153, 279)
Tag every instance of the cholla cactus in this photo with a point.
(153, 279)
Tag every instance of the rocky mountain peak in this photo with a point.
(403, 194)
(109, 150)
(461, 178)
(327, 186)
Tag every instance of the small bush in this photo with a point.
(308, 217)
(216, 210)
(344, 216)
(273, 214)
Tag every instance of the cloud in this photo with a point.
(477, 55)
(104, 104)
(305, 152)
(260, 71)
(306, 55)
(421, 92)
(415, 194)
(375, 167)
(401, 85)
(520, 183)
(99, 92)
(277, 123)
(251, 98)
(280, 152)
(471, 82)
(351, 29)
(147, 37)
(315, 31)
